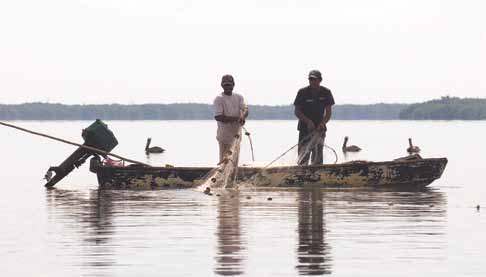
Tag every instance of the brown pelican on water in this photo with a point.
(153, 149)
(351, 148)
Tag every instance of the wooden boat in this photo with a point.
(401, 172)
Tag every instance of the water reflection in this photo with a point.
(98, 230)
(313, 253)
(409, 214)
(229, 257)
(408, 202)
(93, 212)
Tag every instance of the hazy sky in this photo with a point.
(166, 51)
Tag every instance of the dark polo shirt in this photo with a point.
(313, 103)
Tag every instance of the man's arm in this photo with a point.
(244, 115)
(300, 115)
(226, 119)
(219, 112)
(327, 117)
(245, 112)
(327, 114)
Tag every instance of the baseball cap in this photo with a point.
(315, 74)
(227, 79)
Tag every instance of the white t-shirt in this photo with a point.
(228, 105)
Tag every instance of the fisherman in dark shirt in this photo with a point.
(313, 108)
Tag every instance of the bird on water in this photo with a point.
(153, 149)
(350, 148)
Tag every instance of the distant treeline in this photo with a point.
(47, 111)
(445, 108)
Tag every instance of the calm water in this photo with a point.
(76, 230)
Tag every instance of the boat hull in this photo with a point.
(420, 172)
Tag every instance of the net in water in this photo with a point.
(224, 175)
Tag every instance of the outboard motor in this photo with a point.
(98, 136)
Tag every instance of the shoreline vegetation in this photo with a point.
(446, 108)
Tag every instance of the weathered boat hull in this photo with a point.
(420, 172)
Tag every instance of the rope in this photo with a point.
(251, 143)
(302, 140)
(334, 151)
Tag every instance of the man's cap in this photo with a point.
(227, 79)
(315, 74)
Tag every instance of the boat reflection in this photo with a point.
(93, 213)
(100, 218)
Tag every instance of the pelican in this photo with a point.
(412, 149)
(153, 149)
(351, 148)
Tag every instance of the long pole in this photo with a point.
(96, 150)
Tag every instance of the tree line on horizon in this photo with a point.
(48, 111)
(444, 108)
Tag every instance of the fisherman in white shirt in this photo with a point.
(230, 111)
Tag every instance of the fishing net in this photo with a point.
(289, 157)
(309, 143)
(224, 175)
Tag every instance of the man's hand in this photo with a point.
(310, 125)
(241, 120)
